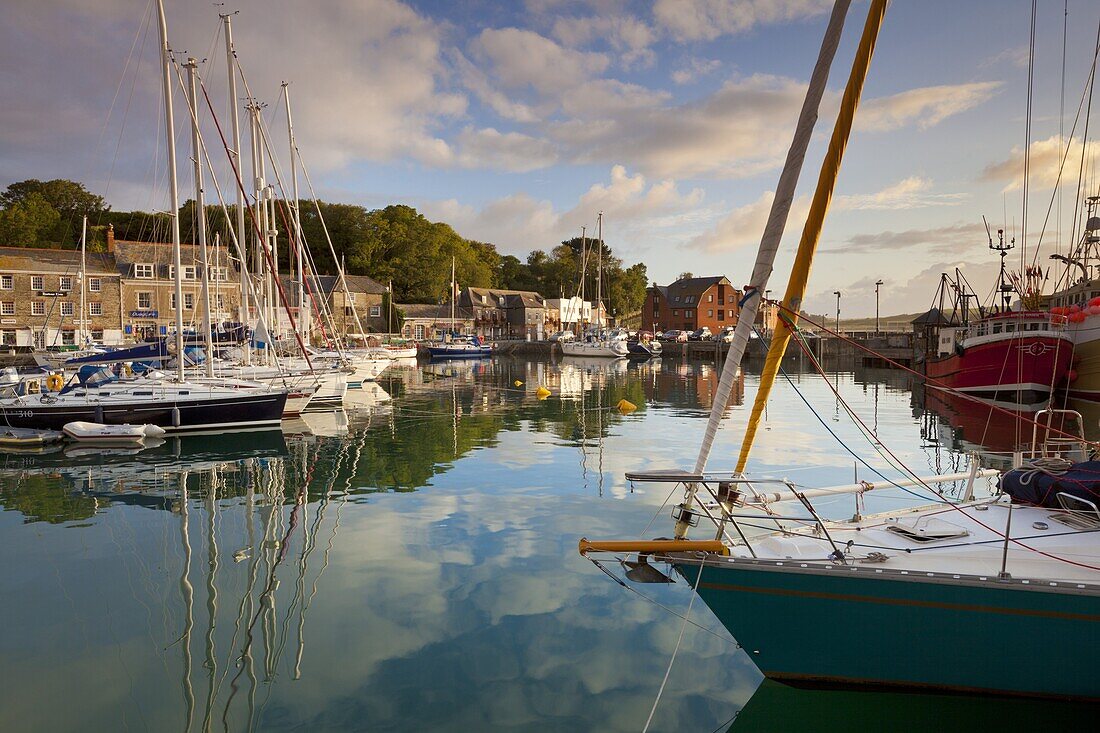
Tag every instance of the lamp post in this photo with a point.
(878, 284)
(837, 294)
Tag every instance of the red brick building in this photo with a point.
(691, 303)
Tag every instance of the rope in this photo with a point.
(683, 628)
(930, 380)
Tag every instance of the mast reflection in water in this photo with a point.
(408, 563)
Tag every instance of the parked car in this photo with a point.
(700, 334)
(673, 335)
(725, 335)
(562, 336)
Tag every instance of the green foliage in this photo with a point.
(28, 222)
(68, 199)
(396, 244)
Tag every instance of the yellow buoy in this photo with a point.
(518, 383)
(542, 393)
(626, 406)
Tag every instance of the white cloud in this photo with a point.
(509, 151)
(628, 36)
(522, 59)
(926, 106)
(744, 225)
(518, 223)
(1045, 160)
(695, 20)
(909, 193)
(695, 68)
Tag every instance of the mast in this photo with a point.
(173, 186)
(599, 275)
(235, 164)
(200, 215)
(454, 287)
(811, 233)
(584, 267)
(83, 275)
(260, 262)
(769, 241)
(303, 306)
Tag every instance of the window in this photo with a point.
(68, 337)
(66, 307)
(7, 282)
(676, 299)
(710, 313)
(7, 338)
(219, 301)
(38, 282)
(95, 284)
(675, 314)
(721, 315)
(143, 270)
(38, 308)
(188, 272)
(7, 308)
(349, 310)
(188, 301)
(376, 311)
(144, 301)
(419, 332)
(97, 334)
(95, 308)
(66, 283)
(731, 314)
(687, 313)
(710, 298)
(219, 274)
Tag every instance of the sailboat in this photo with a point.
(598, 342)
(455, 345)
(174, 404)
(965, 593)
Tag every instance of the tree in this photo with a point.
(69, 199)
(685, 276)
(28, 222)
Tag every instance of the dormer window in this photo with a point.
(188, 272)
(143, 270)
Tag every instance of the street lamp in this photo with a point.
(878, 284)
(837, 294)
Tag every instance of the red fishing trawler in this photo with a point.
(1021, 355)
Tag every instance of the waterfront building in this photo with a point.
(40, 298)
(691, 303)
(148, 286)
(505, 314)
(428, 322)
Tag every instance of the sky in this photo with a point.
(516, 122)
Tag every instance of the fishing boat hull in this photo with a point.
(1027, 368)
(864, 626)
(174, 414)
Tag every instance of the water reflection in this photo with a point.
(408, 563)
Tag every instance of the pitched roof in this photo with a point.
(694, 285)
(492, 296)
(932, 317)
(356, 284)
(54, 260)
(160, 253)
(433, 311)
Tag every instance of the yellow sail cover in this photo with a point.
(811, 233)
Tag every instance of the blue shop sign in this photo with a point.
(143, 314)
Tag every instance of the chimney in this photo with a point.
(111, 238)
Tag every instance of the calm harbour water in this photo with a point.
(412, 564)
